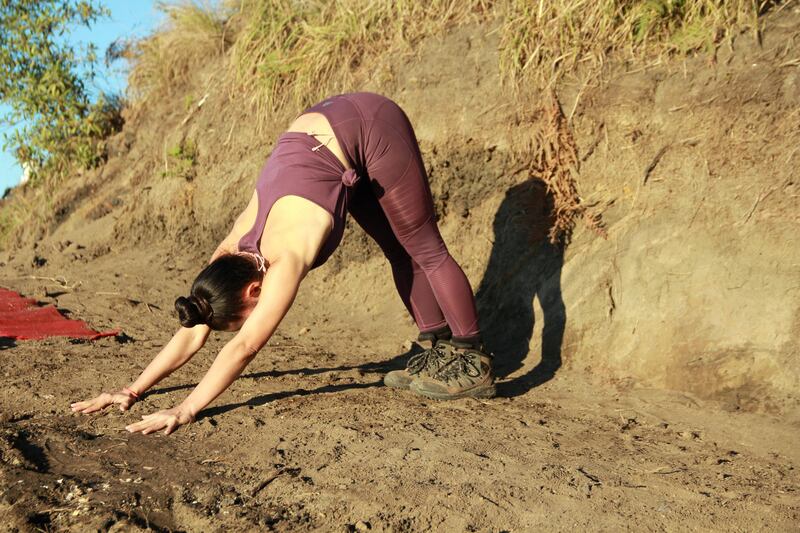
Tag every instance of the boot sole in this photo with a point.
(481, 391)
(397, 383)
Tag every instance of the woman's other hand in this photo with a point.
(169, 420)
(121, 398)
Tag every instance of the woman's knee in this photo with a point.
(429, 252)
(397, 256)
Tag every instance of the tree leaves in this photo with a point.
(43, 79)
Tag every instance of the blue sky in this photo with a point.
(129, 18)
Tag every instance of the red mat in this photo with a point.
(21, 318)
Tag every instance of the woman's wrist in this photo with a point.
(188, 411)
(132, 393)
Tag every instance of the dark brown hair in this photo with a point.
(216, 295)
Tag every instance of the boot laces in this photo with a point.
(424, 360)
(461, 365)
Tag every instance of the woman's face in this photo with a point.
(250, 299)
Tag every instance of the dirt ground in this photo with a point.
(308, 438)
(647, 381)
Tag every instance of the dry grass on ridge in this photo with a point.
(290, 53)
(544, 40)
(162, 64)
(287, 53)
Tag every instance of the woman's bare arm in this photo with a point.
(183, 345)
(188, 341)
(295, 233)
(180, 349)
(278, 292)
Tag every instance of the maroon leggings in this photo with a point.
(395, 207)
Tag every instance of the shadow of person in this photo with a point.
(264, 399)
(523, 265)
(376, 367)
(379, 367)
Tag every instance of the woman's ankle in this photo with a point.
(439, 334)
(473, 341)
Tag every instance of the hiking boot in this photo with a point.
(420, 364)
(466, 372)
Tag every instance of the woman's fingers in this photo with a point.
(171, 426)
(95, 404)
(154, 422)
(89, 406)
(101, 402)
(138, 426)
(155, 425)
(78, 406)
(166, 420)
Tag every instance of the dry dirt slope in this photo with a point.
(649, 380)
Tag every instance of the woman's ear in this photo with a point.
(253, 289)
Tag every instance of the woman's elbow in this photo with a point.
(199, 335)
(246, 352)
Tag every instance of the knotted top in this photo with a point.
(350, 177)
(300, 166)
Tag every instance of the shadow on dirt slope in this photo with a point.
(523, 265)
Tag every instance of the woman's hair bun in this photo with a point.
(193, 310)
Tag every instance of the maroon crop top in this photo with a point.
(302, 166)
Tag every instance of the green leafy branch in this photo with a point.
(43, 81)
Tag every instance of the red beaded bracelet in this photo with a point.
(132, 393)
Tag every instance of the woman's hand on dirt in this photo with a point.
(169, 420)
(121, 398)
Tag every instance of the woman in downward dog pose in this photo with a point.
(352, 153)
